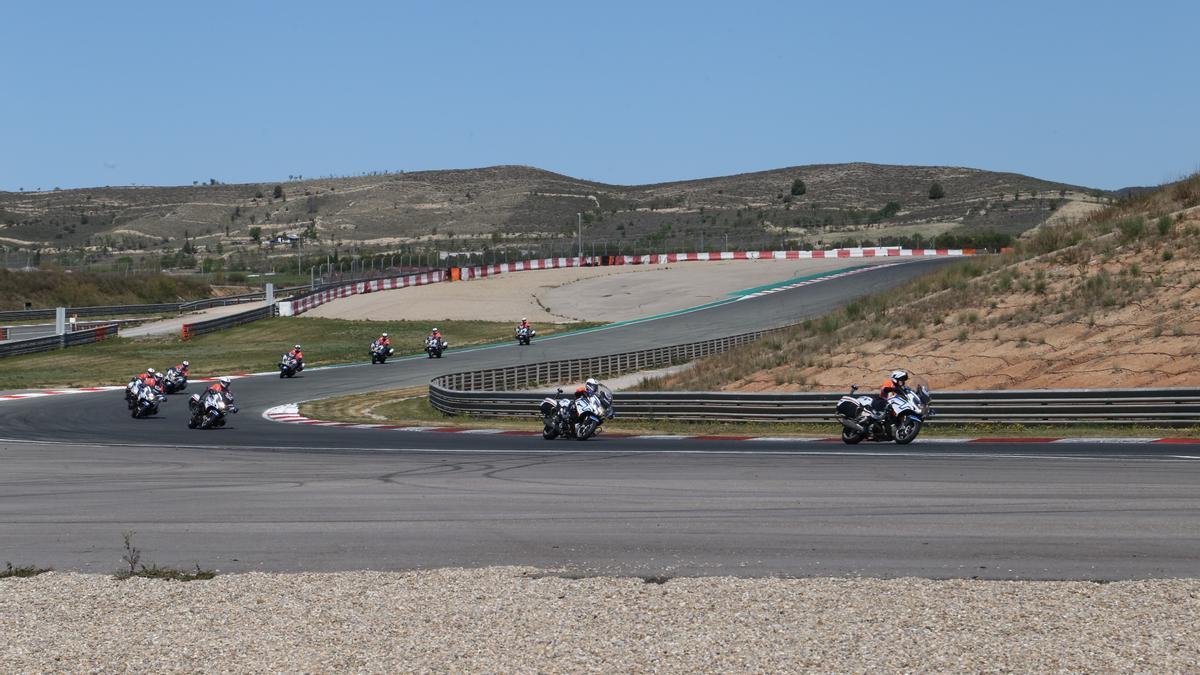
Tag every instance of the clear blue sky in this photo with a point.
(1104, 94)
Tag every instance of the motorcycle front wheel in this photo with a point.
(906, 430)
(585, 431)
(549, 433)
(850, 436)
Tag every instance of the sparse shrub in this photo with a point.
(1167, 255)
(1164, 225)
(936, 191)
(1132, 228)
(798, 187)
(963, 335)
(278, 192)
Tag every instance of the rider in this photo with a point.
(436, 334)
(221, 387)
(385, 341)
(894, 385)
(182, 368)
(524, 324)
(148, 376)
(299, 356)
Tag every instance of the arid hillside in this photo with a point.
(1113, 301)
(828, 203)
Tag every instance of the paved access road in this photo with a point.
(261, 495)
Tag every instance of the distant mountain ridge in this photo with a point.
(527, 202)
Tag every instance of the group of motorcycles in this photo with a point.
(143, 399)
(206, 410)
(898, 418)
(435, 345)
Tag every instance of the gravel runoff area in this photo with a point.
(522, 620)
(618, 293)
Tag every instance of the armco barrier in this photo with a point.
(488, 392)
(52, 342)
(191, 330)
(306, 302)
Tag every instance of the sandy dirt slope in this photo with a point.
(579, 294)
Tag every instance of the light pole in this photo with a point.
(579, 224)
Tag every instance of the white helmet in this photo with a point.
(899, 376)
(435, 330)
(592, 385)
(186, 364)
(523, 319)
(385, 335)
(225, 381)
(296, 347)
(150, 371)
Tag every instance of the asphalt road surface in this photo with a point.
(76, 471)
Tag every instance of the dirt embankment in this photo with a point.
(1114, 302)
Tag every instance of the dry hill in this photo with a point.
(511, 203)
(1113, 301)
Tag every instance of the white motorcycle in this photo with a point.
(209, 410)
(873, 418)
(146, 401)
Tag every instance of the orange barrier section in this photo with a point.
(455, 274)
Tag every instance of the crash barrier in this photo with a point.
(159, 308)
(461, 393)
(304, 303)
(191, 330)
(52, 342)
(489, 392)
(37, 330)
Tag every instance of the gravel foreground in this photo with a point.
(524, 620)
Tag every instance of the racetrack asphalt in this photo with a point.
(259, 495)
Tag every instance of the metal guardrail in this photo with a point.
(191, 330)
(155, 308)
(45, 344)
(489, 392)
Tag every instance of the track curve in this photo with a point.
(261, 495)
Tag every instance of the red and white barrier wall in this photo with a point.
(301, 305)
(664, 258)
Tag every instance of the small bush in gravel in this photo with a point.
(133, 556)
(21, 571)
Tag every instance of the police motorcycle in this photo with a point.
(898, 418)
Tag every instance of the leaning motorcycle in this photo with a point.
(525, 335)
(288, 366)
(873, 418)
(435, 346)
(380, 352)
(209, 410)
(174, 381)
(146, 401)
(579, 418)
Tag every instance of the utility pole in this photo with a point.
(579, 224)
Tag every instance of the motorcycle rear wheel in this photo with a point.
(850, 436)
